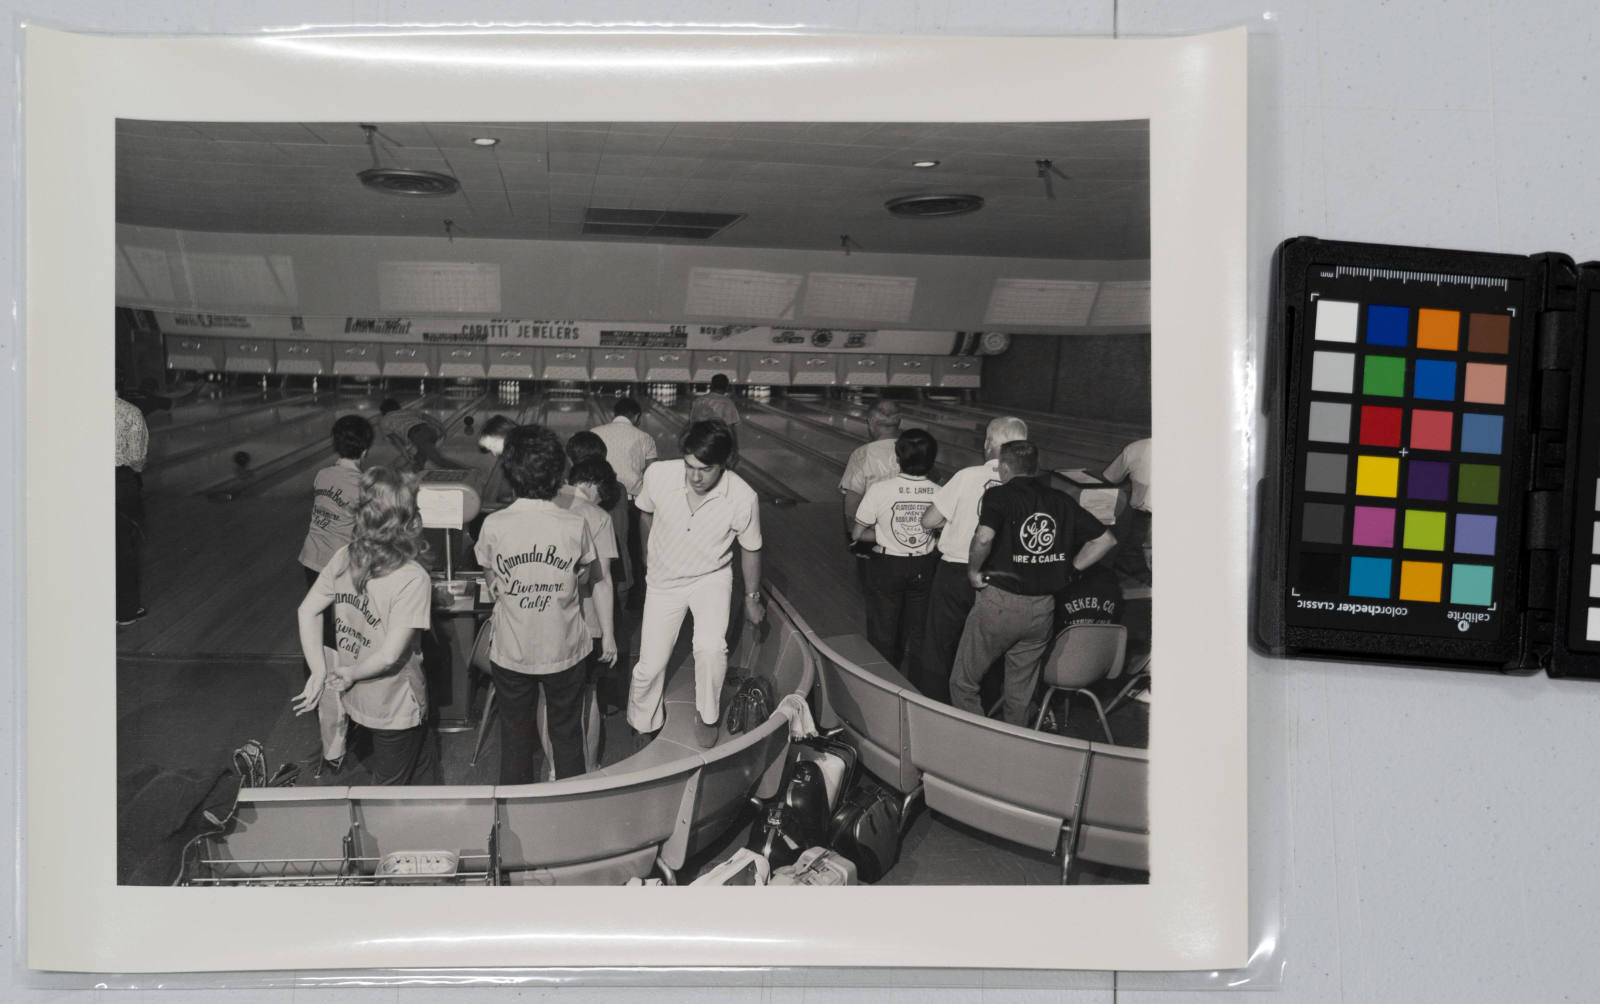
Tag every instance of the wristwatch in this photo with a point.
(754, 594)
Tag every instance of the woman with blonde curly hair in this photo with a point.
(381, 599)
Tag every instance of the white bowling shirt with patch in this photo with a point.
(685, 545)
(958, 502)
(531, 553)
(893, 508)
(399, 601)
(334, 493)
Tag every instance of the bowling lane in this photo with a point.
(958, 447)
(192, 438)
(192, 408)
(790, 472)
(210, 461)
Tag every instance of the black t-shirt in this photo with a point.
(1094, 596)
(1037, 533)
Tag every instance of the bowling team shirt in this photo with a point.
(605, 544)
(868, 463)
(133, 436)
(399, 601)
(531, 552)
(719, 406)
(629, 450)
(1093, 597)
(893, 508)
(1037, 533)
(1133, 463)
(686, 545)
(333, 512)
(957, 502)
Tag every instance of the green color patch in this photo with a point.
(1478, 484)
(1384, 376)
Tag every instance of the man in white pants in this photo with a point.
(691, 512)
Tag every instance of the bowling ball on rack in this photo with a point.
(467, 423)
(241, 459)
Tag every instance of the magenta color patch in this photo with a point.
(1374, 527)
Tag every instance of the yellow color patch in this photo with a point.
(1378, 476)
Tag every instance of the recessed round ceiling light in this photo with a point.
(925, 163)
(484, 141)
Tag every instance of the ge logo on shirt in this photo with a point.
(1038, 533)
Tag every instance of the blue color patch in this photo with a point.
(1435, 380)
(1481, 433)
(1387, 325)
(1370, 577)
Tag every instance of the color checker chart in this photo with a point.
(1403, 516)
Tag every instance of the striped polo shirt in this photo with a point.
(687, 544)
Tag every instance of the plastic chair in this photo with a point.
(1083, 654)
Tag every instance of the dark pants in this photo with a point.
(949, 602)
(403, 756)
(897, 607)
(517, 697)
(1132, 532)
(130, 526)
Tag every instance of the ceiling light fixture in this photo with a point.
(484, 141)
(402, 180)
(925, 164)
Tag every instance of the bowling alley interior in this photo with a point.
(846, 282)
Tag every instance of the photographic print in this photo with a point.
(300, 304)
(546, 504)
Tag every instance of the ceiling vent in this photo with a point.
(928, 206)
(657, 223)
(403, 180)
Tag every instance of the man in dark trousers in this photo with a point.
(1031, 539)
(955, 514)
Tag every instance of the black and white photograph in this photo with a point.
(430, 435)
(526, 497)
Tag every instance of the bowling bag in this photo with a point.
(750, 705)
(866, 829)
(818, 772)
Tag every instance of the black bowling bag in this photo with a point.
(866, 829)
(819, 773)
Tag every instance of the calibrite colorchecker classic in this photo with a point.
(1432, 492)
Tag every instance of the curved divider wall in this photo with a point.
(651, 810)
(1082, 800)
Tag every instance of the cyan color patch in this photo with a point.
(1370, 577)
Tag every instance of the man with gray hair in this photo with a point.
(1030, 542)
(871, 461)
(955, 509)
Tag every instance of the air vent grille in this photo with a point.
(404, 181)
(928, 206)
(657, 223)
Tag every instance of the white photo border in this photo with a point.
(1192, 914)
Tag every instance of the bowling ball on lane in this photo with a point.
(241, 459)
(466, 423)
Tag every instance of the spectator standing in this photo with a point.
(901, 566)
(535, 557)
(955, 513)
(717, 403)
(1133, 526)
(132, 446)
(1029, 542)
